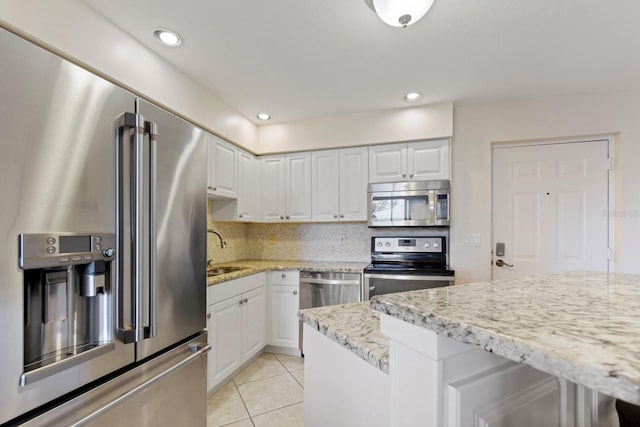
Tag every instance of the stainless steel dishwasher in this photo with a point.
(322, 288)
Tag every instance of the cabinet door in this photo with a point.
(428, 160)
(254, 322)
(388, 163)
(272, 184)
(248, 184)
(353, 184)
(325, 185)
(284, 322)
(298, 187)
(222, 158)
(225, 332)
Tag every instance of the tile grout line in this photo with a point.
(243, 403)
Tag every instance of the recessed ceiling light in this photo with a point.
(263, 116)
(167, 37)
(412, 96)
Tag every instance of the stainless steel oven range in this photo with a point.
(400, 264)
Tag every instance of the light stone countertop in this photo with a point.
(257, 266)
(354, 326)
(581, 326)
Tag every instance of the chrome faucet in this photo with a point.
(223, 244)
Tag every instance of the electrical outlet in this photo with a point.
(272, 239)
(343, 239)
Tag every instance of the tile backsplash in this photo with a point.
(300, 241)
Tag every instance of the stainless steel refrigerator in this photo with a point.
(103, 250)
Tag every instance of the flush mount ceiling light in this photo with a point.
(263, 116)
(412, 96)
(400, 13)
(167, 37)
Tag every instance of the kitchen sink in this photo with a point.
(223, 270)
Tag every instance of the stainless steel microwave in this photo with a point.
(409, 204)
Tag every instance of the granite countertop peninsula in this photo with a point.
(257, 266)
(354, 326)
(581, 326)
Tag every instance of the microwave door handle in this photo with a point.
(129, 147)
(151, 129)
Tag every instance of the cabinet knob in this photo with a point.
(284, 275)
(214, 188)
(341, 216)
(288, 217)
(240, 216)
(295, 292)
(404, 175)
(241, 301)
(208, 315)
(246, 300)
(281, 217)
(411, 176)
(335, 216)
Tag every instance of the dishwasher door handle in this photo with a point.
(314, 281)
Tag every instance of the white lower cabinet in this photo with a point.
(283, 305)
(236, 322)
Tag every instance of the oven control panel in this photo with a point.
(434, 244)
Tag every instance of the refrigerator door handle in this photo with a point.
(151, 129)
(198, 350)
(130, 192)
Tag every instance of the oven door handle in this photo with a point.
(409, 277)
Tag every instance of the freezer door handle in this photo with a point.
(151, 129)
(130, 190)
(197, 351)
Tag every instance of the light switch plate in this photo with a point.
(471, 240)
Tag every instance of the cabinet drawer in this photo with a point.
(285, 277)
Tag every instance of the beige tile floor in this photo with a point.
(267, 393)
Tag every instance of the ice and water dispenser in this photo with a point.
(68, 299)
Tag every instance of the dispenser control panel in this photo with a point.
(49, 250)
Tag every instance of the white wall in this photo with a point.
(74, 30)
(477, 126)
(404, 124)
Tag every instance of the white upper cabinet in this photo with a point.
(325, 185)
(428, 160)
(285, 183)
(248, 185)
(339, 185)
(272, 184)
(414, 161)
(222, 163)
(353, 184)
(298, 187)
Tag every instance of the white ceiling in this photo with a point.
(299, 59)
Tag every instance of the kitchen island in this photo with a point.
(548, 350)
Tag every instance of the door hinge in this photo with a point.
(609, 163)
(609, 254)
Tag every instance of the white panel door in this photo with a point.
(284, 322)
(225, 332)
(298, 187)
(428, 160)
(222, 158)
(550, 208)
(254, 322)
(325, 185)
(248, 185)
(388, 163)
(272, 186)
(353, 184)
